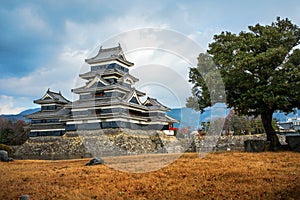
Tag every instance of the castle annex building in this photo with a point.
(107, 100)
(48, 121)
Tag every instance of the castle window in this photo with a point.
(98, 67)
(98, 111)
(99, 94)
(53, 107)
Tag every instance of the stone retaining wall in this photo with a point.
(109, 142)
(83, 144)
(51, 147)
(230, 143)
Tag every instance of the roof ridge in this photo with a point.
(110, 48)
(49, 91)
(112, 53)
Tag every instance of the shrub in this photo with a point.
(6, 148)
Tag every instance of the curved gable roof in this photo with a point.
(133, 97)
(151, 102)
(52, 97)
(114, 53)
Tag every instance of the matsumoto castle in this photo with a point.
(107, 100)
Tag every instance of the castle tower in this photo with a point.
(110, 100)
(47, 121)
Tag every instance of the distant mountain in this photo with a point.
(29, 111)
(190, 118)
(20, 116)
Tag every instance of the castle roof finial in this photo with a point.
(100, 49)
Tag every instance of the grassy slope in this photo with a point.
(235, 175)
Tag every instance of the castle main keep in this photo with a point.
(107, 100)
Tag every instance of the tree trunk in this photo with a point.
(266, 118)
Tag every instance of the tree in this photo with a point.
(12, 133)
(241, 124)
(261, 70)
(208, 86)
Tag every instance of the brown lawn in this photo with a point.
(229, 175)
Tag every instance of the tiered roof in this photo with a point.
(113, 78)
(151, 102)
(93, 86)
(64, 112)
(103, 72)
(109, 54)
(52, 97)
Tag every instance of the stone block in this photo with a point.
(256, 145)
(3, 156)
(95, 161)
(24, 197)
(293, 141)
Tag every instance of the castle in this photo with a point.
(107, 100)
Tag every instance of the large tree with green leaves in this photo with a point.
(208, 86)
(260, 69)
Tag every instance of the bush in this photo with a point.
(12, 132)
(6, 148)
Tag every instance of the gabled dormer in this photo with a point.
(98, 81)
(153, 103)
(133, 97)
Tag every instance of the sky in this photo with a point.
(43, 44)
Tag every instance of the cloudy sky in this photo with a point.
(43, 44)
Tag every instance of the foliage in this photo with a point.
(6, 148)
(238, 125)
(208, 86)
(242, 124)
(12, 133)
(260, 70)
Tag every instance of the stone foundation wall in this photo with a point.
(51, 147)
(81, 144)
(111, 142)
(229, 143)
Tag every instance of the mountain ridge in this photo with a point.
(188, 117)
(20, 116)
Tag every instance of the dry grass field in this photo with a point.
(229, 175)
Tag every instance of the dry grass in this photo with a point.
(232, 175)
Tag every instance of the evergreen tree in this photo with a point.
(260, 69)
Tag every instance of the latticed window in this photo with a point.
(98, 111)
(53, 107)
(99, 94)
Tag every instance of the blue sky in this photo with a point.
(43, 43)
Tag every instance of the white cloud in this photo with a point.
(58, 75)
(80, 36)
(60, 72)
(80, 40)
(162, 59)
(31, 20)
(7, 105)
